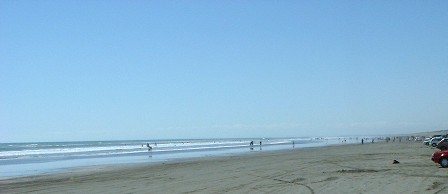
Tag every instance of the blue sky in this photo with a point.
(107, 70)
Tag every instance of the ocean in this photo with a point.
(23, 159)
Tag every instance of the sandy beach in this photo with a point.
(353, 168)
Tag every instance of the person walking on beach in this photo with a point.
(251, 143)
(362, 141)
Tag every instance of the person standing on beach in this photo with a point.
(149, 147)
(252, 145)
(362, 141)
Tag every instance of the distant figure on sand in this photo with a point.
(260, 143)
(251, 143)
(362, 141)
(149, 147)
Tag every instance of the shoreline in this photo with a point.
(350, 168)
(204, 156)
(43, 165)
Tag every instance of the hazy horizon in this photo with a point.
(217, 138)
(105, 70)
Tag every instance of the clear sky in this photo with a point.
(112, 70)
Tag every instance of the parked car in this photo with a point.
(440, 157)
(426, 141)
(443, 144)
(435, 141)
(419, 138)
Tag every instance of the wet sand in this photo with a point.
(353, 168)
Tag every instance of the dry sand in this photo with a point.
(357, 168)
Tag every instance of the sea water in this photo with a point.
(22, 159)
